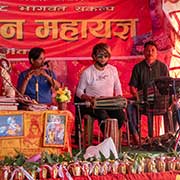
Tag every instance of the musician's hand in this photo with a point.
(85, 97)
(43, 72)
(92, 101)
(29, 75)
(134, 92)
(36, 72)
(34, 101)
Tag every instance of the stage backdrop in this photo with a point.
(68, 30)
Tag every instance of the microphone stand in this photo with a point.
(79, 127)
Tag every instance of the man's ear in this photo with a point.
(94, 57)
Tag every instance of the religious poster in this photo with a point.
(54, 130)
(11, 126)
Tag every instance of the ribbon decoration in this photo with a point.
(24, 172)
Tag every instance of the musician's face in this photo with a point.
(101, 59)
(39, 61)
(150, 53)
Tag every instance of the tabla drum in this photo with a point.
(112, 130)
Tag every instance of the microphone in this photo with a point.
(46, 63)
(86, 103)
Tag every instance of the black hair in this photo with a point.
(150, 43)
(34, 53)
(100, 48)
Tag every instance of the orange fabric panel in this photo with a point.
(32, 141)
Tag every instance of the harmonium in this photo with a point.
(153, 101)
(110, 103)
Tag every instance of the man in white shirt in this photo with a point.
(100, 80)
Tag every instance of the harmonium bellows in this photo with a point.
(110, 103)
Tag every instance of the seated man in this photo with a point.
(100, 80)
(36, 82)
(143, 75)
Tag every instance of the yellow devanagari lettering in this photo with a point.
(69, 30)
(125, 26)
(98, 28)
(10, 28)
(43, 31)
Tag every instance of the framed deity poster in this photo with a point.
(11, 125)
(54, 130)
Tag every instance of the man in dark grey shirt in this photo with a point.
(143, 76)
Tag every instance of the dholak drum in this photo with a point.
(112, 130)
